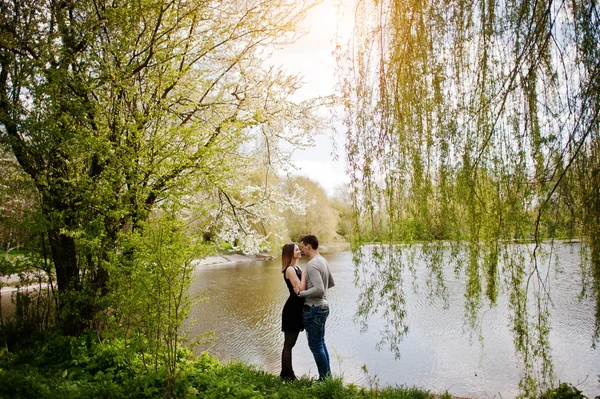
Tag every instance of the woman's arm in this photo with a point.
(290, 273)
(302, 285)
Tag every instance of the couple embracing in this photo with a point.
(306, 308)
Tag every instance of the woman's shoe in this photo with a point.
(288, 377)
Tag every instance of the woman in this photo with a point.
(291, 316)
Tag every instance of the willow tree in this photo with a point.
(113, 107)
(477, 124)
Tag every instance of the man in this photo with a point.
(316, 309)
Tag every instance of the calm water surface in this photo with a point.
(439, 353)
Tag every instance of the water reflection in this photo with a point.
(438, 351)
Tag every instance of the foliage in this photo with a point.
(18, 204)
(34, 308)
(563, 391)
(57, 366)
(150, 292)
(261, 221)
(114, 108)
(475, 125)
(319, 217)
(342, 204)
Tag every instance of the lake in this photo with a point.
(439, 352)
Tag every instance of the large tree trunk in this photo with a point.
(64, 255)
(78, 301)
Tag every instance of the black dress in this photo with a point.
(291, 317)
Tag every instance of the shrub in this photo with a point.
(563, 391)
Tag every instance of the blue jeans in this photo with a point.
(314, 323)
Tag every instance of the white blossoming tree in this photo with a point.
(116, 108)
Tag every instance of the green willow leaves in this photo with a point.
(477, 124)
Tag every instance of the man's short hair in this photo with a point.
(311, 240)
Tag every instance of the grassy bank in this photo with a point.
(53, 366)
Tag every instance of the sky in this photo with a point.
(311, 56)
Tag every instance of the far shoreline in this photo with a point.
(10, 283)
(226, 259)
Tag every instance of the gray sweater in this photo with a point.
(318, 281)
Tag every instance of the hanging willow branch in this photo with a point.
(477, 124)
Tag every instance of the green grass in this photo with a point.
(54, 366)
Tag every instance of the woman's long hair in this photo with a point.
(287, 254)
